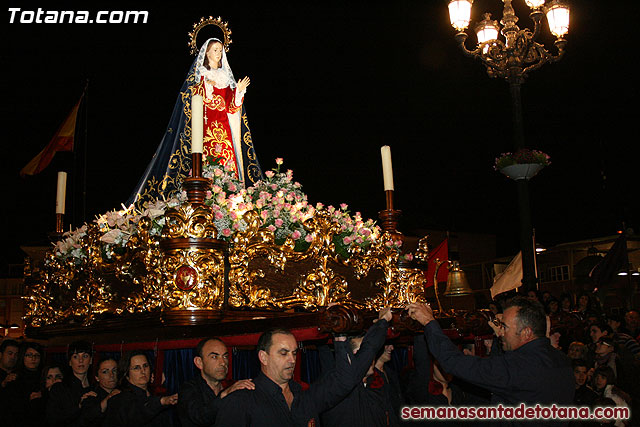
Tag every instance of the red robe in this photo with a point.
(218, 141)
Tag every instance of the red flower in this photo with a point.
(375, 380)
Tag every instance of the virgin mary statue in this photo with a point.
(226, 131)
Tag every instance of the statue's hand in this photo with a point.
(243, 84)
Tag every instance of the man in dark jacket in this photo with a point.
(373, 402)
(8, 361)
(278, 400)
(200, 397)
(529, 371)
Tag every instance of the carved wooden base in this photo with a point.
(196, 189)
(389, 219)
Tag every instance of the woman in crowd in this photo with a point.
(63, 405)
(51, 374)
(587, 307)
(566, 302)
(94, 403)
(20, 393)
(135, 405)
(577, 351)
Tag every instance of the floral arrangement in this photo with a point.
(353, 229)
(278, 200)
(227, 198)
(70, 246)
(282, 206)
(523, 156)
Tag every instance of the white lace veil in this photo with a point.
(223, 75)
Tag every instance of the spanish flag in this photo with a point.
(61, 141)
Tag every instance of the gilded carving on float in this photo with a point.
(170, 256)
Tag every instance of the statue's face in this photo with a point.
(214, 54)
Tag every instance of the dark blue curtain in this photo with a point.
(399, 359)
(245, 364)
(310, 366)
(178, 368)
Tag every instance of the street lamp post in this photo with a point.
(513, 59)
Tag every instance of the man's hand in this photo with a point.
(169, 400)
(238, 385)
(10, 377)
(385, 314)
(420, 312)
(497, 325)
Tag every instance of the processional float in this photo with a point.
(217, 252)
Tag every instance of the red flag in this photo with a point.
(61, 141)
(441, 253)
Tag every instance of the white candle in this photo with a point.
(197, 123)
(387, 168)
(61, 193)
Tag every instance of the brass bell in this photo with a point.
(457, 283)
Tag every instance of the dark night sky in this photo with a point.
(330, 84)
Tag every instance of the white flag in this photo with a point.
(510, 278)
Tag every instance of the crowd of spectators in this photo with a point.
(530, 359)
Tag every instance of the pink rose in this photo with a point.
(279, 222)
(296, 235)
